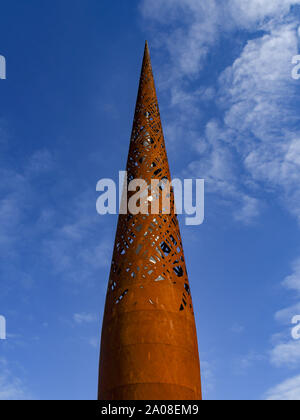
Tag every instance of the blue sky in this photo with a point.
(230, 111)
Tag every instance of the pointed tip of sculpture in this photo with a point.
(147, 48)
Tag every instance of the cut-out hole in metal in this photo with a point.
(178, 271)
(187, 288)
(166, 249)
(121, 297)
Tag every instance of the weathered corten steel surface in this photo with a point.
(149, 347)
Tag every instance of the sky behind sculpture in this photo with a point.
(229, 106)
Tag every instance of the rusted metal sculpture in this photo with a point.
(149, 347)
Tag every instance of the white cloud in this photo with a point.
(256, 11)
(261, 95)
(84, 318)
(286, 315)
(199, 25)
(94, 342)
(40, 162)
(256, 96)
(15, 195)
(249, 210)
(18, 197)
(208, 378)
(73, 248)
(292, 282)
(217, 166)
(286, 354)
(99, 256)
(65, 240)
(195, 31)
(289, 390)
(11, 387)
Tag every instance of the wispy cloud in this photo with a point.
(254, 97)
(11, 387)
(292, 281)
(208, 376)
(84, 318)
(191, 28)
(66, 240)
(40, 162)
(285, 316)
(286, 354)
(191, 37)
(73, 247)
(262, 112)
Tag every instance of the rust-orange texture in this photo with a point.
(149, 347)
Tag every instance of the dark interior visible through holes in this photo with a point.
(187, 288)
(173, 240)
(178, 271)
(121, 297)
(166, 249)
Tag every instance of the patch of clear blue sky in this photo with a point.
(72, 76)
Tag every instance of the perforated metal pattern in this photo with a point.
(149, 345)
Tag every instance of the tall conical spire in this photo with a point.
(149, 347)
